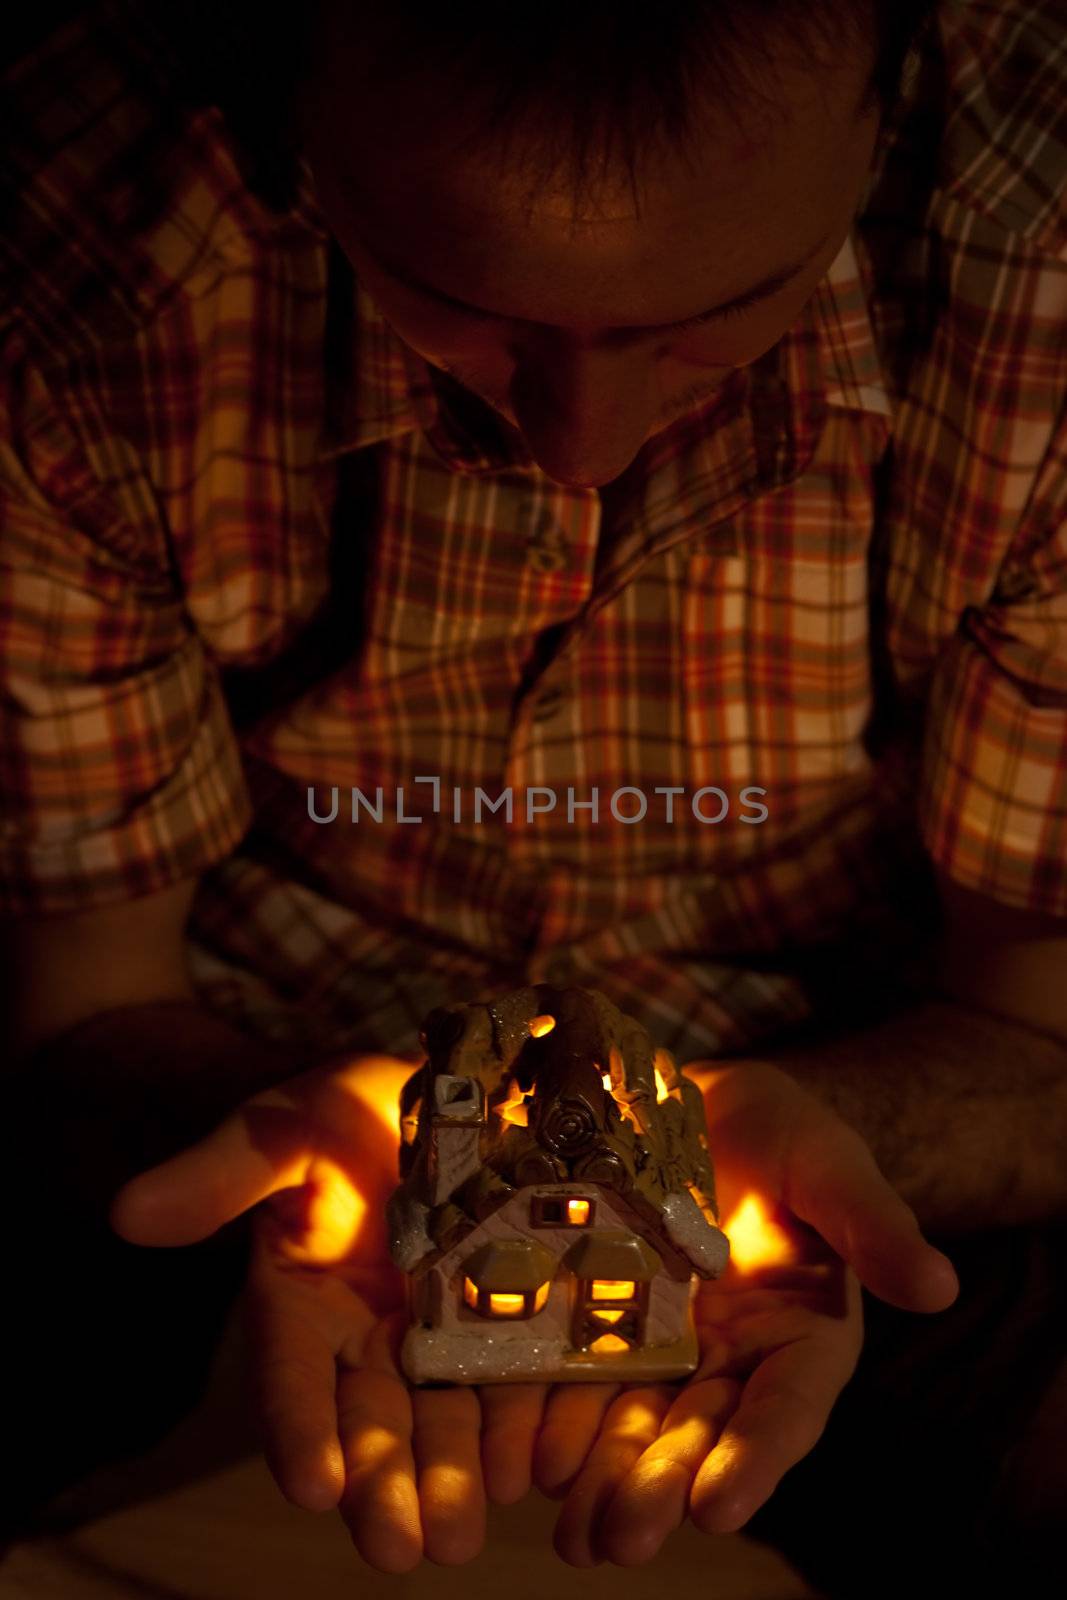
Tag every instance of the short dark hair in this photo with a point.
(599, 80)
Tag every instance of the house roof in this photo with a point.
(618, 1255)
(586, 1102)
(510, 1266)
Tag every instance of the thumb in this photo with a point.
(260, 1149)
(834, 1183)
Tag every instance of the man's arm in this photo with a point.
(61, 970)
(963, 1099)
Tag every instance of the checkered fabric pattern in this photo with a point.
(255, 555)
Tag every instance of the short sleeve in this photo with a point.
(993, 794)
(119, 770)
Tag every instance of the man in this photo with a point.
(724, 465)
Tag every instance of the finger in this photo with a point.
(380, 1503)
(834, 1183)
(266, 1146)
(781, 1416)
(630, 1425)
(260, 1150)
(571, 1421)
(651, 1501)
(511, 1417)
(320, 1222)
(447, 1445)
(294, 1338)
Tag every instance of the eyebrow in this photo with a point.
(763, 290)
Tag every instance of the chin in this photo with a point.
(689, 400)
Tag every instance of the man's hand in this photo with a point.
(342, 1427)
(778, 1343)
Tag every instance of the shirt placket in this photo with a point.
(758, 444)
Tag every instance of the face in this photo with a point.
(589, 333)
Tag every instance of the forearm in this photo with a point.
(966, 1114)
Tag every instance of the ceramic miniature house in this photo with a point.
(557, 1203)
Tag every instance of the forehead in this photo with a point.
(752, 191)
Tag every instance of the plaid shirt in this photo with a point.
(253, 551)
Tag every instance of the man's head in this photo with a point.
(567, 218)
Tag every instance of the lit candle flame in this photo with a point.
(756, 1241)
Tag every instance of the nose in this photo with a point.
(583, 411)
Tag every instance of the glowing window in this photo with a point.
(561, 1211)
(612, 1289)
(499, 1303)
(507, 1305)
(608, 1345)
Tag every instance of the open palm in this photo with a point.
(778, 1339)
(325, 1312)
(777, 1345)
(410, 1470)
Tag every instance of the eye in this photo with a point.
(736, 310)
(457, 308)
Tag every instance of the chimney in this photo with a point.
(455, 1134)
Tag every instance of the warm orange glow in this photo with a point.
(612, 1289)
(756, 1241)
(376, 1081)
(608, 1316)
(665, 1068)
(507, 1305)
(513, 1107)
(609, 1344)
(628, 1114)
(335, 1213)
(409, 1124)
(541, 1025)
(605, 1078)
(504, 1305)
(577, 1212)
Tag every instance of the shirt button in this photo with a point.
(546, 548)
(547, 704)
(544, 559)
